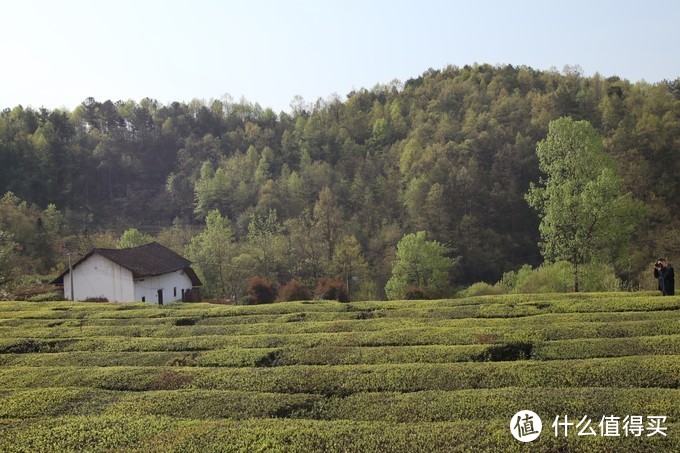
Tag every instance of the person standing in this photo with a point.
(666, 275)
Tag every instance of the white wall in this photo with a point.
(170, 283)
(100, 277)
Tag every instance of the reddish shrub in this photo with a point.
(415, 293)
(331, 290)
(170, 380)
(483, 338)
(294, 290)
(261, 291)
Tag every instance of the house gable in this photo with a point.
(99, 277)
(169, 287)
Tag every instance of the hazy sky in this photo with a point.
(55, 53)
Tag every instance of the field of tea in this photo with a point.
(442, 375)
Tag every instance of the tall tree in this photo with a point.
(584, 210)
(328, 218)
(264, 243)
(7, 246)
(305, 252)
(419, 263)
(349, 263)
(212, 251)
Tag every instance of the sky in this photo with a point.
(54, 54)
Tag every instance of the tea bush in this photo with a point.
(153, 433)
(419, 375)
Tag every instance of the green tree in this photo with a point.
(176, 237)
(35, 232)
(349, 262)
(581, 201)
(304, 249)
(264, 243)
(7, 246)
(419, 263)
(451, 152)
(213, 251)
(132, 237)
(240, 267)
(328, 220)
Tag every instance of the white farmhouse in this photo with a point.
(148, 273)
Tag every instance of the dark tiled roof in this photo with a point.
(144, 261)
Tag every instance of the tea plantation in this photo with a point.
(443, 375)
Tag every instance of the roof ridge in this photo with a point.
(144, 260)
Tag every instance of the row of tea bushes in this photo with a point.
(149, 433)
(341, 355)
(323, 376)
(642, 371)
(424, 406)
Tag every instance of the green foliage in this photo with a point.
(512, 280)
(46, 297)
(349, 263)
(264, 244)
(7, 246)
(133, 238)
(419, 263)
(483, 289)
(27, 237)
(607, 347)
(149, 433)
(558, 278)
(639, 371)
(328, 220)
(584, 210)
(549, 278)
(450, 152)
(213, 252)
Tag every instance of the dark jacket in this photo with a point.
(666, 278)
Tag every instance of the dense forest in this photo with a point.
(297, 194)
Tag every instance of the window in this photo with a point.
(175, 292)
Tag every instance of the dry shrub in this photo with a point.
(96, 299)
(415, 293)
(261, 291)
(483, 338)
(294, 290)
(328, 289)
(171, 380)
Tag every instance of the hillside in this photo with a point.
(325, 376)
(450, 152)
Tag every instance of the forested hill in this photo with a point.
(451, 152)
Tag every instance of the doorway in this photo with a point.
(160, 297)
